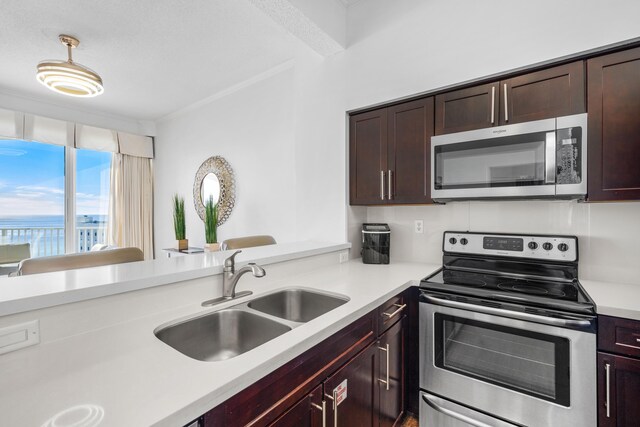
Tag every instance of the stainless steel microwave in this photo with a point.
(544, 159)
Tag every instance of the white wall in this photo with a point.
(608, 233)
(253, 129)
(397, 49)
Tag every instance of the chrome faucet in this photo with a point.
(230, 279)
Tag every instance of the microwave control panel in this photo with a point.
(569, 155)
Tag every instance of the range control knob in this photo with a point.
(463, 241)
(563, 247)
(453, 240)
(547, 246)
(533, 245)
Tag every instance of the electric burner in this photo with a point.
(537, 271)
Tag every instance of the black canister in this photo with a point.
(376, 243)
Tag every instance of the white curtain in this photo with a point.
(131, 203)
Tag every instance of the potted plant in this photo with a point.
(211, 226)
(179, 224)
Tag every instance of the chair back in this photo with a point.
(14, 253)
(83, 260)
(247, 242)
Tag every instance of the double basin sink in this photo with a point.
(230, 332)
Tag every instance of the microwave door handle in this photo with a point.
(550, 158)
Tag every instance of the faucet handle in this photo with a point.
(231, 261)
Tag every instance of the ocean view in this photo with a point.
(46, 234)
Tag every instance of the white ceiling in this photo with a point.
(155, 56)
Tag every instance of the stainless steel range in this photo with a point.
(507, 334)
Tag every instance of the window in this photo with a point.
(33, 206)
(92, 198)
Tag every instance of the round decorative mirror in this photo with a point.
(215, 179)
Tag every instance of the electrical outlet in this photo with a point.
(344, 257)
(418, 226)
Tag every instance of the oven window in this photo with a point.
(499, 162)
(529, 362)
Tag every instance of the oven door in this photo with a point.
(507, 161)
(527, 372)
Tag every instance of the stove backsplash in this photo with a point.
(608, 233)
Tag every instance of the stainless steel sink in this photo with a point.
(297, 305)
(220, 335)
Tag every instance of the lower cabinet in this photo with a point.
(391, 374)
(356, 377)
(308, 412)
(618, 374)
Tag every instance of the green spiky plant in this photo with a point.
(179, 224)
(211, 221)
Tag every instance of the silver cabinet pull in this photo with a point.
(386, 350)
(390, 188)
(506, 108)
(334, 398)
(322, 408)
(637, 339)
(395, 313)
(607, 403)
(493, 104)
(381, 185)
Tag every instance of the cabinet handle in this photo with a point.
(322, 408)
(390, 189)
(334, 398)
(386, 350)
(395, 313)
(381, 185)
(506, 108)
(607, 403)
(493, 104)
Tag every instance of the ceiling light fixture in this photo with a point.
(68, 77)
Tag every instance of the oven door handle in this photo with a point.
(553, 321)
(430, 400)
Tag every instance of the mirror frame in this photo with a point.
(218, 166)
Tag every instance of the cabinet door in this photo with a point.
(368, 157)
(623, 391)
(391, 375)
(306, 413)
(409, 152)
(358, 377)
(613, 126)
(467, 109)
(554, 92)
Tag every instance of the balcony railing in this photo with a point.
(47, 241)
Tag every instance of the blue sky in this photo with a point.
(32, 179)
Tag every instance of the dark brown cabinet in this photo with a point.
(389, 154)
(308, 412)
(614, 126)
(368, 157)
(553, 92)
(618, 374)
(351, 392)
(618, 391)
(391, 375)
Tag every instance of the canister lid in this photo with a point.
(376, 228)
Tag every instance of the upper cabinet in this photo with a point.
(390, 154)
(553, 92)
(614, 126)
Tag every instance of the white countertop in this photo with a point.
(124, 376)
(25, 293)
(614, 299)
